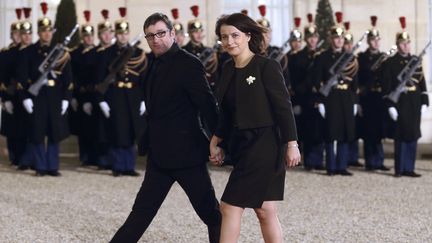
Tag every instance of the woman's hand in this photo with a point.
(216, 153)
(292, 156)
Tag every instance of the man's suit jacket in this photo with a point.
(176, 92)
(262, 98)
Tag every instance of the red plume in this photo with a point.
(18, 12)
(122, 11)
(195, 10)
(347, 25)
(175, 13)
(244, 11)
(44, 7)
(27, 12)
(338, 17)
(402, 22)
(373, 20)
(262, 10)
(87, 15)
(297, 21)
(105, 14)
(310, 18)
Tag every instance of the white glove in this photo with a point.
(359, 110)
(74, 104)
(355, 109)
(423, 108)
(142, 108)
(297, 110)
(105, 108)
(321, 109)
(8, 107)
(393, 113)
(87, 108)
(65, 105)
(28, 105)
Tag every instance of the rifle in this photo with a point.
(207, 54)
(339, 66)
(382, 58)
(50, 62)
(279, 53)
(406, 74)
(117, 64)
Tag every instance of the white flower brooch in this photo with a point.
(250, 80)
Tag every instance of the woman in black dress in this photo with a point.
(256, 128)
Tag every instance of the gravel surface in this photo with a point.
(86, 205)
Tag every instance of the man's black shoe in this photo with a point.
(411, 174)
(131, 173)
(54, 173)
(383, 168)
(345, 173)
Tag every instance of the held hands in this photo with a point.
(216, 153)
(28, 105)
(355, 109)
(105, 108)
(321, 109)
(8, 105)
(65, 105)
(393, 113)
(292, 156)
(87, 108)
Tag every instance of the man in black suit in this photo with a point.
(176, 90)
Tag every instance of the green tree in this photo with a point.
(66, 19)
(324, 20)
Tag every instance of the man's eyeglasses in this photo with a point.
(159, 34)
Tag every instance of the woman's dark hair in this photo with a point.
(156, 17)
(246, 25)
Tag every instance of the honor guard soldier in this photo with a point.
(122, 104)
(305, 98)
(406, 100)
(47, 108)
(296, 38)
(105, 35)
(371, 100)
(195, 46)
(273, 52)
(83, 123)
(353, 147)
(178, 27)
(9, 98)
(337, 85)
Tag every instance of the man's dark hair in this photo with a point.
(246, 25)
(156, 17)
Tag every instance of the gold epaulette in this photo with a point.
(4, 49)
(71, 86)
(87, 49)
(71, 49)
(100, 49)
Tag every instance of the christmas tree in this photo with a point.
(66, 19)
(324, 20)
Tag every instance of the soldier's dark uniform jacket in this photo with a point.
(211, 67)
(124, 96)
(283, 62)
(407, 127)
(305, 95)
(46, 119)
(12, 124)
(83, 67)
(339, 121)
(371, 97)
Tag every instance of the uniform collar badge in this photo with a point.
(250, 80)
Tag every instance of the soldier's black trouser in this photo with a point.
(197, 185)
